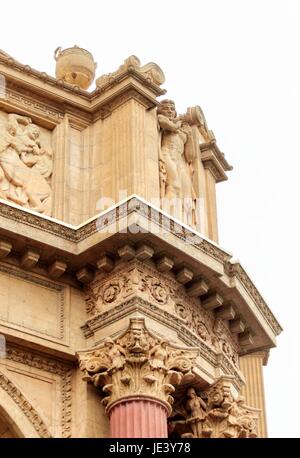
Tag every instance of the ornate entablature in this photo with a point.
(163, 315)
(142, 285)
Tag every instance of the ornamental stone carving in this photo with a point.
(75, 66)
(150, 73)
(226, 416)
(139, 280)
(25, 165)
(138, 363)
(177, 155)
(134, 280)
(214, 413)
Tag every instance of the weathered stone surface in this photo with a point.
(126, 283)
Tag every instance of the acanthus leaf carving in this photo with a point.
(135, 279)
(215, 413)
(137, 363)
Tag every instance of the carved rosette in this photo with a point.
(137, 365)
(220, 415)
(137, 280)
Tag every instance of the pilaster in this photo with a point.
(252, 368)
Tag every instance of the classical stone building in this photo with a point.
(120, 314)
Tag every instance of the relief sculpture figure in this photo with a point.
(25, 165)
(196, 408)
(176, 164)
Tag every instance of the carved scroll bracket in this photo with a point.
(137, 364)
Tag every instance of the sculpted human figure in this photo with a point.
(34, 155)
(158, 356)
(195, 405)
(137, 342)
(177, 192)
(196, 408)
(116, 353)
(22, 160)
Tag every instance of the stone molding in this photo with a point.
(31, 278)
(236, 270)
(55, 367)
(213, 357)
(83, 108)
(21, 401)
(214, 160)
(136, 205)
(137, 279)
(150, 74)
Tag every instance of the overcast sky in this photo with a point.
(238, 60)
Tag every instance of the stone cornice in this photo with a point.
(236, 270)
(75, 241)
(214, 160)
(48, 99)
(11, 63)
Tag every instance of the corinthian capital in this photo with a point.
(226, 416)
(137, 364)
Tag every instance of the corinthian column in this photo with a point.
(136, 374)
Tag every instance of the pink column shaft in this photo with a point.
(138, 418)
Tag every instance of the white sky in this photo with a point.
(238, 60)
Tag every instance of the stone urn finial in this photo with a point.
(75, 66)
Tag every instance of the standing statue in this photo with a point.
(196, 408)
(176, 164)
(195, 404)
(25, 165)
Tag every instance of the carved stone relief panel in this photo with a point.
(26, 162)
(136, 279)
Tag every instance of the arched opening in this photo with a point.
(7, 429)
(18, 417)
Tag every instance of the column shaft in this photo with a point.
(138, 418)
